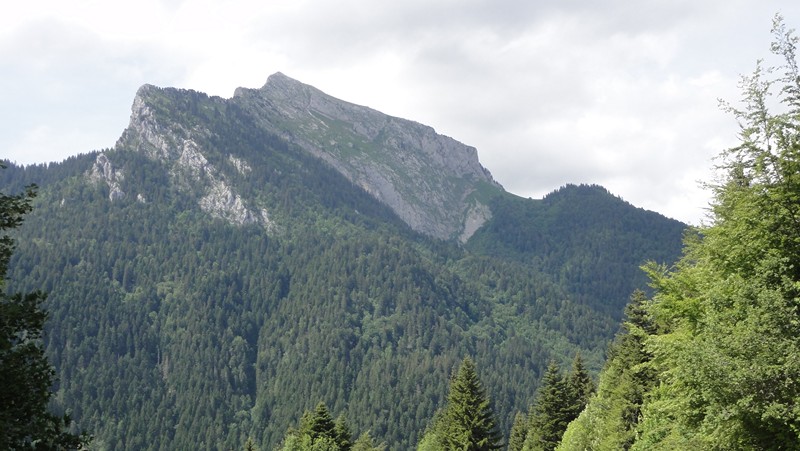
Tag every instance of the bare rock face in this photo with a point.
(176, 144)
(434, 183)
(102, 171)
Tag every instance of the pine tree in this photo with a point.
(250, 445)
(610, 418)
(321, 423)
(342, 434)
(318, 432)
(468, 421)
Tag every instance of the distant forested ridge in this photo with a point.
(205, 293)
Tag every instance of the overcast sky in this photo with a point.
(618, 93)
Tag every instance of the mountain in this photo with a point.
(230, 263)
(433, 183)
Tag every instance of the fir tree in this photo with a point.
(342, 434)
(318, 432)
(551, 413)
(580, 387)
(321, 423)
(366, 443)
(468, 421)
(609, 420)
(519, 430)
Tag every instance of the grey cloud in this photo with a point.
(70, 82)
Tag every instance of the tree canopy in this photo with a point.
(25, 373)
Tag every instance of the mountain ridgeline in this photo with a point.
(230, 263)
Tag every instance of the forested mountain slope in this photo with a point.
(210, 278)
(590, 241)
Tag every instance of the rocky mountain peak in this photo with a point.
(433, 182)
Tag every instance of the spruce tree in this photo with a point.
(318, 432)
(321, 423)
(727, 346)
(468, 422)
(366, 443)
(342, 434)
(551, 412)
(610, 419)
(580, 387)
(519, 430)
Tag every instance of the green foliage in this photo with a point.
(519, 431)
(711, 362)
(25, 373)
(319, 432)
(727, 360)
(580, 387)
(590, 241)
(610, 418)
(365, 442)
(467, 420)
(560, 400)
(551, 413)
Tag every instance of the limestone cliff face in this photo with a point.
(175, 143)
(102, 171)
(432, 182)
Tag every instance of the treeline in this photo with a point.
(467, 419)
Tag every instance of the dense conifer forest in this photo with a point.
(193, 332)
(169, 329)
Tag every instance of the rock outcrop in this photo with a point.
(175, 143)
(102, 171)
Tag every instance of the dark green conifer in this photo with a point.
(551, 413)
(366, 443)
(25, 374)
(580, 387)
(468, 422)
(321, 423)
(342, 434)
(519, 430)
